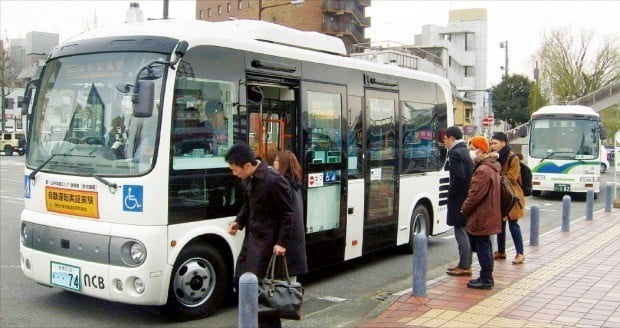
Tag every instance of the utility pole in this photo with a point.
(504, 45)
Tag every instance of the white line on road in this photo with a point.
(13, 198)
(331, 299)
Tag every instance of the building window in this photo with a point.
(470, 71)
(228, 7)
(449, 61)
(200, 14)
(447, 37)
(239, 5)
(208, 12)
(250, 3)
(219, 9)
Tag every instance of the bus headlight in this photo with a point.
(137, 252)
(127, 252)
(586, 179)
(538, 177)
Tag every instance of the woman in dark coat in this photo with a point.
(287, 164)
(482, 208)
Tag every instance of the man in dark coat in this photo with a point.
(268, 213)
(460, 166)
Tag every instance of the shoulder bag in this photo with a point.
(279, 298)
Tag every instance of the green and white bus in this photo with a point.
(565, 142)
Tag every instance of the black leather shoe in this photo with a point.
(479, 284)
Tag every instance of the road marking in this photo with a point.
(13, 198)
(331, 299)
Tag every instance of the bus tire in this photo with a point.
(536, 193)
(420, 219)
(200, 279)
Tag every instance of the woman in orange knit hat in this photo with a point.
(482, 209)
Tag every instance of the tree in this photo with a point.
(570, 68)
(610, 117)
(8, 73)
(511, 99)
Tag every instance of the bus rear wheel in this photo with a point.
(536, 193)
(200, 279)
(419, 223)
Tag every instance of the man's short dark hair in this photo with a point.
(239, 154)
(501, 136)
(455, 132)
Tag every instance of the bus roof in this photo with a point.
(565, 109)
(260, 37)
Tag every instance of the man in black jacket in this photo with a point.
(267, 213)
(461, 167)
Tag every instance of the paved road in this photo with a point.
(338, 296)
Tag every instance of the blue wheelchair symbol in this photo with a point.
(26, 186)
(132, 198)
(330, 176)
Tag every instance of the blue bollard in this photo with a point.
(589, 204)
(609, 195)
(420, 263)
(566, 213)
(534, 224)
(248, 301)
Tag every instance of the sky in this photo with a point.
(521, 23)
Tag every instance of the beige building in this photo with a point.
(345, 19)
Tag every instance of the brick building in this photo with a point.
(345, 19)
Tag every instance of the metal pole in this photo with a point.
(506, 67)
(609, 196)
(534, 224)
(589, 204)
(248, 301)
(260, 9)
(566, 213)
(420, 263)
(166, 9)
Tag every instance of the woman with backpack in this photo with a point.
(511, 169)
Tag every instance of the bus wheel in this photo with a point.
(200, 279)
(419, 223)
(536, 193)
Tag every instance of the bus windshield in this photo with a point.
(564, 139)
(81, 115)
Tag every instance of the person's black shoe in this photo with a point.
(479, 284)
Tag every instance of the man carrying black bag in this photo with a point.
(268, 213)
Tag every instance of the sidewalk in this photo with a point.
(571, 280)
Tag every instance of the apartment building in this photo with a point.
(345, 19)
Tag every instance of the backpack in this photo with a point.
(508, 196)
(526, 179)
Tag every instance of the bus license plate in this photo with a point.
(561, 187)
(65, 276)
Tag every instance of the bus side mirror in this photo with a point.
(28, 96)
(603, 135)
(523, 131)
(143, 100)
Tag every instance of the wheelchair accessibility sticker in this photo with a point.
(26, 186)
(132, 198)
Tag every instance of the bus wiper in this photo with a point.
(110, 185)
(34, 173)
(555, 152)
(67, 154)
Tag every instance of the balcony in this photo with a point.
(342, 29)
(340, 7)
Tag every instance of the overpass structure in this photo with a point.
(597, 100)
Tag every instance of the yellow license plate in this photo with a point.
(72, 202)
